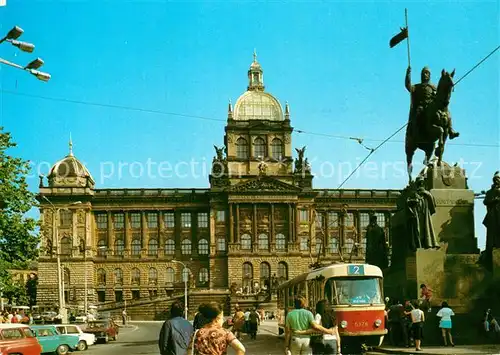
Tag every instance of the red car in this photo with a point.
(18, 339)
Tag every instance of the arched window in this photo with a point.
(246, 242)
(319, 245)
(135, 276)
(247, 269)
(118, 276)
(259, 146)
(169, 247)
(101, 247)
(276, 149)
(280, 242)
(185, 274)
(221, 244)
(282, 271)
(66, 277)
(153, 247)
(136, 247)
(265, 275)
(170, 275)
(101, 277)
(263, 242)
(186, 247)
(203, 247)
(334, 245)
(203, 276)
(153, 276)
(66, 246)
(119, 247)
(241, 148)
(363, 245)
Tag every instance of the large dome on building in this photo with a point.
(255, 104)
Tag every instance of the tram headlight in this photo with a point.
(378, 323)
(343, 324)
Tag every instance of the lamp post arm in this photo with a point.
(3, 61)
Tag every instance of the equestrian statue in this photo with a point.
(429, 119)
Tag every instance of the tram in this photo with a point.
(354, 291)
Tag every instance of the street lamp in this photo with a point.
(60, 283)
(32, 67)
(186, 279)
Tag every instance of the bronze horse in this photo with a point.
(432, 125)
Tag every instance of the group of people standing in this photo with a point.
(206, 336)
(308, 334)
(406, 323)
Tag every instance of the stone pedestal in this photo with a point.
(454, 218)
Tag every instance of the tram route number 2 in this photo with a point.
(356, 270)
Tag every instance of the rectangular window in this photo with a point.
(101, 296)
(221, 244)
(333, 220)
(303, 216)
(169, 219)
(118, 296)
(221, 216)
(119, 220)
(186, 220)
(102, 221)
(304, 243)
(66, 218)
(202, 220)
(320, 218)
(136, 294)
(349, 219)
(152, 219)
(135, 220)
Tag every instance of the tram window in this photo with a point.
(359, 291)
(330, 294)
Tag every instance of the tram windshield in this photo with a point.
(353, 291)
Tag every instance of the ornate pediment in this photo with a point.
(264, 184)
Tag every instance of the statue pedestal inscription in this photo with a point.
(453, 220)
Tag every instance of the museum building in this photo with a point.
(259, 220)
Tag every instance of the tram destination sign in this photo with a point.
(356, 270)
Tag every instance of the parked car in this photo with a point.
(18, 339)
(103, 329)
(52, 341)
(85, 339)
(51, 317)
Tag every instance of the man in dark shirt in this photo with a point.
(176, 333)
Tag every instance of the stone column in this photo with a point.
(126, 232)
(291, 230)
(109, 242)
(254, 227)
(272, 231)
(237, 227)
(143, 229)
(231, 224)
(296, 222)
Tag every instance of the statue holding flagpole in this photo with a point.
(429, 118)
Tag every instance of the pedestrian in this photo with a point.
(253, 323)
(417, 326)
(238, 322)
(176, 333)
(213, 338)
(329, 344)
(445, 314)
(297, 321)
(124, 316)
(199, 321)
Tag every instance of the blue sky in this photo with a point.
(330, 60)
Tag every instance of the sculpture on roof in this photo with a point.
(492, 219)
(301, 164)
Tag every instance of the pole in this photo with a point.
(186, 298)
(408, 34)
(54, 239)
(85, 301)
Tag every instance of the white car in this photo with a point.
(86, 339)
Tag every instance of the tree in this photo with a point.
(18, 240)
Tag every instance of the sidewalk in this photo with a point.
(489, 349)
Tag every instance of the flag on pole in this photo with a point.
(401, 36)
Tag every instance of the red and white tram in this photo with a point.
(354, 291)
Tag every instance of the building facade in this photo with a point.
(258, 223)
